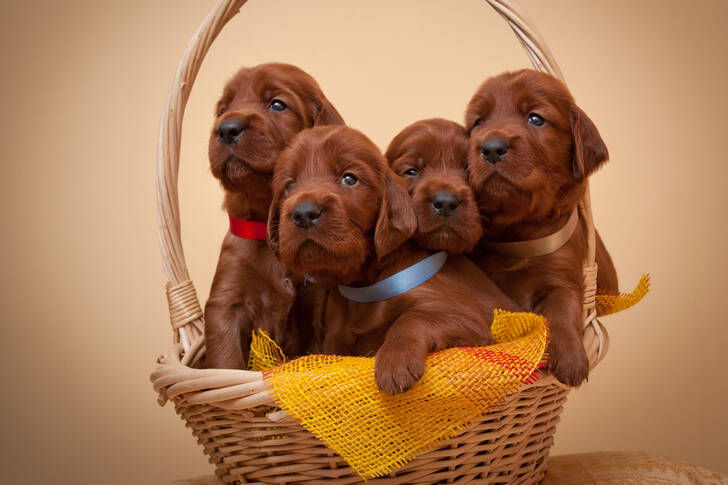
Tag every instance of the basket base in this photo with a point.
(508, 445)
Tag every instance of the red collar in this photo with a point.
(248, 229)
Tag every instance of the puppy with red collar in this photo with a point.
(260, 111)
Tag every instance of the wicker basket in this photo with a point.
(230, 411)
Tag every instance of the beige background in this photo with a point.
(81, 302)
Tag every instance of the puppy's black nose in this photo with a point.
(445, 204)
(229, 131)
(306, 214)
(494, 149)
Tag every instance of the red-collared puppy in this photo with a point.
(260, 111)
(340, 216)
(531, 150)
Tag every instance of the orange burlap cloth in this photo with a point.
(336, 398)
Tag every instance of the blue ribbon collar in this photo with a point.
(399, 282)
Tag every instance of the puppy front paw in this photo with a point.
(568, 362)
(397, 371)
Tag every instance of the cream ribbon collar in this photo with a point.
(537, 247)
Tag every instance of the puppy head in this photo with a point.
(335, 204)
(431, 157)
(531, 147)
(260, 111)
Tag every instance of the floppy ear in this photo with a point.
(470, 117)
(397, 221)
(391, 153)
(394, 148)
(589, 149)
(326, 114)
(273, 223)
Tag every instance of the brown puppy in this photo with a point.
(431, 157)
(340, 216)
(260, 111)
(531, 150)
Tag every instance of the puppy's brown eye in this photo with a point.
(288, 187)
(477, 122)
(535, 119)
(349, 179)
(277, 105)
(411, 172)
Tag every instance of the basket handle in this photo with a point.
(184, 306)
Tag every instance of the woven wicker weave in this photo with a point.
(230, 411)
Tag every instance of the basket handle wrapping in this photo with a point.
(185, 312)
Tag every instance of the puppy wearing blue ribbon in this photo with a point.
(340, 216)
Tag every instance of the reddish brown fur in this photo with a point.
(437, 151)
(251, 288)
(360, 238)
(530, 194)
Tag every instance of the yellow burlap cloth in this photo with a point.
(607, 303)
(336, 398)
